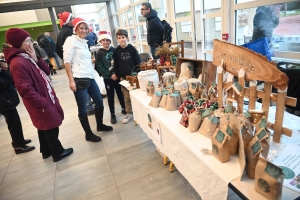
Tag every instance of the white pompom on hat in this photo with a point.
(104, 35)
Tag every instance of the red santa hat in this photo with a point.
(78, 21)
(65, 17)
(104, 35)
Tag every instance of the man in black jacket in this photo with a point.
(9, 100)
(66, 19)
(155, 29)
(265, 20)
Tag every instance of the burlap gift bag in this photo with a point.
(169, 82)
(220, 146)
(194, 121)
(194, 90)
(163, 101)
(156, 98)
(187, 69)
(150, 88)
(171, 102)
(209, 126)
(180, 84)
(268, 179)
(184, 93)
(252, 155)
(178, 98)
(263, 137)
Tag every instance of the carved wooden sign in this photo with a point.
(256, 66)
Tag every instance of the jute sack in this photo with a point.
(187, 69)
(169, 82)
(156, 97)
(178, 98)
(171, 102)
(263, 136)
(252, 156)
(180, 84)
(268, 179)
(163, 101)
(150, 88)
(168, 75)
(184, 93)
(194, 121)
(220, 146)
(209, 126)
(194, 90)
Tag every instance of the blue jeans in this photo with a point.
(89, 105)
(152, 50)
(57, 60)
(81, 98)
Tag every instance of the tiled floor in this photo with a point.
(124, 166)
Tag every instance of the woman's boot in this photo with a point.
(99, 120)
(89, 135)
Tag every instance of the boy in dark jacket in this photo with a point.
(105, 68)
(126, 61)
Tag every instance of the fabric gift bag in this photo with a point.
(268, 179)
(187, 69)
(184, 93)
(168, 75)
(156, 98)
(178, 98)
(180, 84)
(220, 146)
(209, 125)
(194, 121)
(252, 157)
(194, 90)
(150, 88)
(171, 102)
(163, 102)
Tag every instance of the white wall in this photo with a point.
(20, 17)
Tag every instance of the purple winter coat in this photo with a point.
(43, 113)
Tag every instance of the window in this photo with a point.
(124, 3)
(116, 21)
(198, 30)
(212, 6)
(129, 17)
(139, 17)
(114, 6)
(124, 20)
(184, 31)
(142, 30)
(212, 30)
(132, 36)
(243, 1)
(182, 8)
(281, 31)
(160, 7)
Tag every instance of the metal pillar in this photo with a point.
(111, 23)
(53, 20)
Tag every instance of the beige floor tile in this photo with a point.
(71, 134)
(84, 181)
(3, 168)
(38, 189)
(6, 156)
(5, 137)
(151, 185)
(109, 195)
(6, 148)
(135, 162)
(83, 151)
(26, 169)
(123, 136)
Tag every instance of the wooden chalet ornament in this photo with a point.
(249, 65)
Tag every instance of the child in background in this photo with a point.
(105, 68)
(126, 61)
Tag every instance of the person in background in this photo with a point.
(53, 44)
(265, 20)
(155, 29)
(80, 72)
(9, 100)
(65, 21)
(45, 43)
(105, 68)
(91, 38)
(126, 61)
(30, 74)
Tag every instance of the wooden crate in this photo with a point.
(206, 68)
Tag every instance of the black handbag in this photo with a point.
(82, 83)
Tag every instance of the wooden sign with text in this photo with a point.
(256, 66)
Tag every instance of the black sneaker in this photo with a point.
(113, 119)
(124, 112)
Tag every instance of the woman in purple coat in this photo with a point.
(30, 74)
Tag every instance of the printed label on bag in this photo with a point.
(273, 170)
(247, 114)
(215, 149)
(150, 83)
(191, 68)
(262, 134)
(229, 131)
(263, 123)
(214, 119)
(263, 185)
(194, 86)
(205, 113)
(220, 136)
(256, 147)
(228, 108)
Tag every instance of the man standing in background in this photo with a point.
(53, 44)
(155, 29)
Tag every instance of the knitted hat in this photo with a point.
(65, 17)
(16, 36)
(78, 21)
(104, 35)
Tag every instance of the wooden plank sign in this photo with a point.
(256, 66)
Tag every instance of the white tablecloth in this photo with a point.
(206, 174)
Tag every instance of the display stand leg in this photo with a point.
(280, 106)
(171, 167)
(165, 160)
(252, 95)
(267, 98)
(220, 85)
(241, 97)
(230, 92)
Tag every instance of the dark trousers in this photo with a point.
(14, 126)
(152, 50)
(112, 86)
(49, 142)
